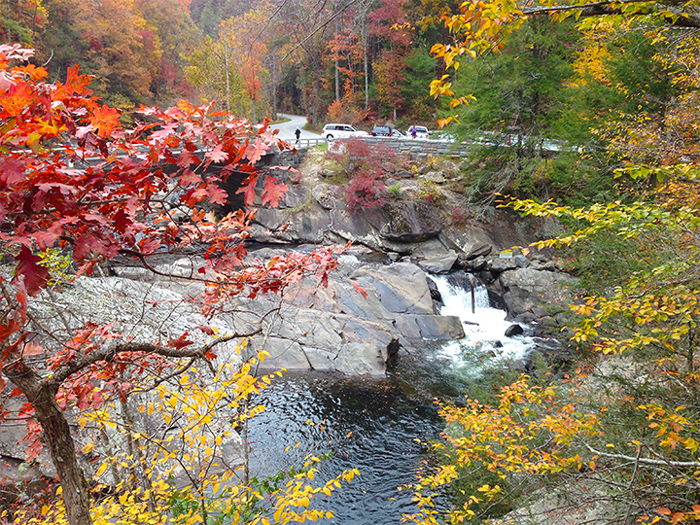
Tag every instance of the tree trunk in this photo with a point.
(366, 64)
(57, 436)
(274, 87)
(9, 32)
(228, 78)
(337, 70)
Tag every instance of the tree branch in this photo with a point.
(607, 7)
(644, 461)
(108, 353)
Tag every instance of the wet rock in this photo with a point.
(439, 327)
(402, 287)
(462, 280)
(476, 265)
(434, 257)
(514, 329)
(500, 265)
(521, 261)
(434, 292)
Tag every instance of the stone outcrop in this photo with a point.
(427, 223)
(331, 328)
(336, 328)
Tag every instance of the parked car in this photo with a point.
(397, 134)
(444, 136)
(421, 132)
(381, 130)
(341, 131)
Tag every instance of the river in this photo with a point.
(378, 426)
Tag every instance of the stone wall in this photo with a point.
(413, 148)
(420, 148)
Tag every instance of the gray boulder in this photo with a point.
(526, 290)
(406, 221)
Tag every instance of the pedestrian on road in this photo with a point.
(297, 133)
(414, 132)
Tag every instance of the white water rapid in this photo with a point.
(485, 341)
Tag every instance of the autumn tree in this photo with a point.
(391, 26)
(234, 63)
(134, 50)
(627, 428)
(309, 26)
(211, 81)
(76, 184)
(21, 21)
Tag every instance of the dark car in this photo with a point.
(381, 131)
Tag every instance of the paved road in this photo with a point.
(287, 128)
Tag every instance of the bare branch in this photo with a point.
(108, 353)
(644, 461)
(607, 7)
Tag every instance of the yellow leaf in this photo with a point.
(101, 470)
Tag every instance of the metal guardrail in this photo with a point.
(307, 143)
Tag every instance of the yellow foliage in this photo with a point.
(180, 476)
(531, 431)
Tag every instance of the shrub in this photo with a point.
(429, 192)
(365, 190)
(459, 216)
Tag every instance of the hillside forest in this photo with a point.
(358, 59)
(610, 86)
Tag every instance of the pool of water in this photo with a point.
(378, 426)
(367, 424)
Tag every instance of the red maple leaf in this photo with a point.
(32, 349)
(106, 119)
(217, 155)
(45, 239)
(180, 342)
(34, 73)
(253, 152)
(190, 177)
(216, 194)
(248, 189)
(11, 171)
(35, 275)
(272, 192)
(121, 221)
(149, 245)
(186, 159)
(360, 290)
(91, 244)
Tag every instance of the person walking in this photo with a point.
(297, 133)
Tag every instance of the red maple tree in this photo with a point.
(71, 178)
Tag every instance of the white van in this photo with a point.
(341, 131)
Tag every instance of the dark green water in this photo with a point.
(374, 425)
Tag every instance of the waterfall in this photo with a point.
(484, 341)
